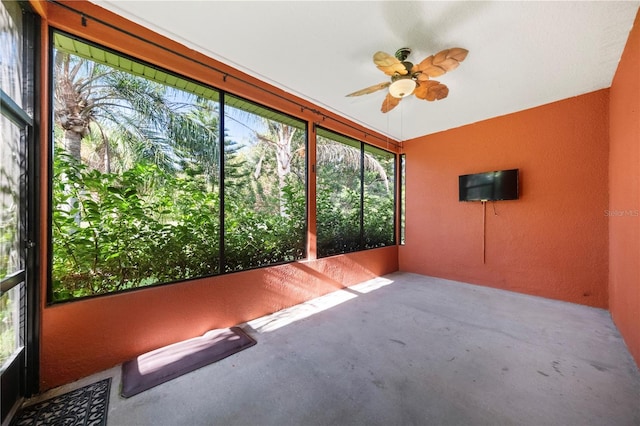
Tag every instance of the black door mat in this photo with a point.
(166, 363)
(85, 406)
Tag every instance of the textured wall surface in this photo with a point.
(552, 242)
(624, 195)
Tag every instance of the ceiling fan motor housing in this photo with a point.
(403, 53)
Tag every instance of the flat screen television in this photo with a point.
(489, 186)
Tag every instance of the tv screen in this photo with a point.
(489, 186)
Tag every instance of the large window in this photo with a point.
(378, 200)
(137, 193)
(355, 195)
(264, 186)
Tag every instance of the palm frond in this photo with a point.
(330, 152)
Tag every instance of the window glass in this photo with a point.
(11, 52)
(10, 320)
(355, 195)
(10, 215)
(11, 258)
(338, 183)
(378, 207)
(135, 191)
(264, 186)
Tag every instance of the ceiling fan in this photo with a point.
(407, 78)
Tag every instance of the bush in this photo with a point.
(115, 232)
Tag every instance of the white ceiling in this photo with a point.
(521, 54)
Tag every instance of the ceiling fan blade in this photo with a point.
(426, 67)
(389, 64)
(431, 90)
(438, 92)
(442, 62)
(389, 103)
(422, 87)
(370, 89)
(458, 53)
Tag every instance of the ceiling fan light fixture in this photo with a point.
(402, 87)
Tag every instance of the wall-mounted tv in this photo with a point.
(489, 186)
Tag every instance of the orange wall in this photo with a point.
(552, 242)
(84, 337)
(624, 194)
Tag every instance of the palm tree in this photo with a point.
(279, 139)
(126, 115)
(330, 152)
(71, 97)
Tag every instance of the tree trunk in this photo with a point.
(71, 105)
(283, 156)
(107, 158)
(73, 143)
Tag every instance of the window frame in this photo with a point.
(26, 115)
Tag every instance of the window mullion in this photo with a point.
(362, 195)
(221, 193)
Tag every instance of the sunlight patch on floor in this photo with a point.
(295, 313)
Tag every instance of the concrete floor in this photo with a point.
(407, 349)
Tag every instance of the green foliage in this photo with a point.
(254, 239)
(378, 221)
(9, 224)
(7, 327)
(8, 239)
(145, 226)
(114, 232)
(340, 226)
(378, 205)
(338, 222)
